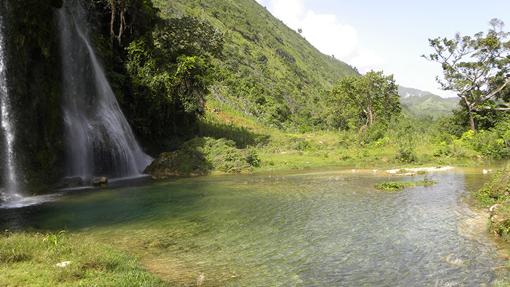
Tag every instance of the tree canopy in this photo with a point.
(476, 68)
(172, 69)
(362, 101)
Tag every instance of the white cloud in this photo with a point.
(366, 60)
(329, 36)
(326, 32)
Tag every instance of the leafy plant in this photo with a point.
(400, 185)
(55, 240)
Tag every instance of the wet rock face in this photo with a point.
(70, 182)
(33, 77)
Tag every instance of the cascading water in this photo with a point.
(11, 190)
(99, 140)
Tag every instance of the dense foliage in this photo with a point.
(363, 101)
(161, 69)
(172, 71)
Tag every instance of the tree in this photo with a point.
(172, 67)
(360, 102)
(476, 67)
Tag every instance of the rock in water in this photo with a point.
(100, 181)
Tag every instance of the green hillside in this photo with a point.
(267, 70)
(425, 104)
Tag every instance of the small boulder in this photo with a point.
(200, 279)
(63, 264)
(493, 208)
(100, 181)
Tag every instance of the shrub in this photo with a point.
(496, 190)
(492, 144)
(405, 137)
(200, 156)
(400, 185)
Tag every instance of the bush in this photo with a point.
(200, 156)
(405, 136)
(224, 156)
(497, 190)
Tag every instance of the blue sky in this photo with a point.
(388, 35)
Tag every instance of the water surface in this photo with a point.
(316, 229)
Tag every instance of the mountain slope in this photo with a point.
(268, 70)
(425, 104)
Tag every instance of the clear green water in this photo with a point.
(317, 229)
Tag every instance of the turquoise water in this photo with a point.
(316, 229)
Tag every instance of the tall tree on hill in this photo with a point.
(476, 67)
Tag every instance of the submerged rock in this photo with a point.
(99, 181)
(453, 260)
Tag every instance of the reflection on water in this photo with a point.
(321, 229)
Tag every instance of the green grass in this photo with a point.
(29, 259)
(401, 185)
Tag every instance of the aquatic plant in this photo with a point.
(401, 185)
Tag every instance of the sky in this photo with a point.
(388, 35)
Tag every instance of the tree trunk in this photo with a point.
(471, 120)
(470, 111)
(112, 18)
(370, 115)
(121, 9)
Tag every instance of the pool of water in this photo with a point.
(316, 229)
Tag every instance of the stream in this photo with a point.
(330, 228)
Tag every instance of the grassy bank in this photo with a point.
(495, 195)
(61, 259)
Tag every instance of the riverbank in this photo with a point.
(67, 259)
(495, 197)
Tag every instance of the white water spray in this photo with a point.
(11, 190)
(99, 139)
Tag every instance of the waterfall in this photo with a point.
(99, 140)
(11, 190)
